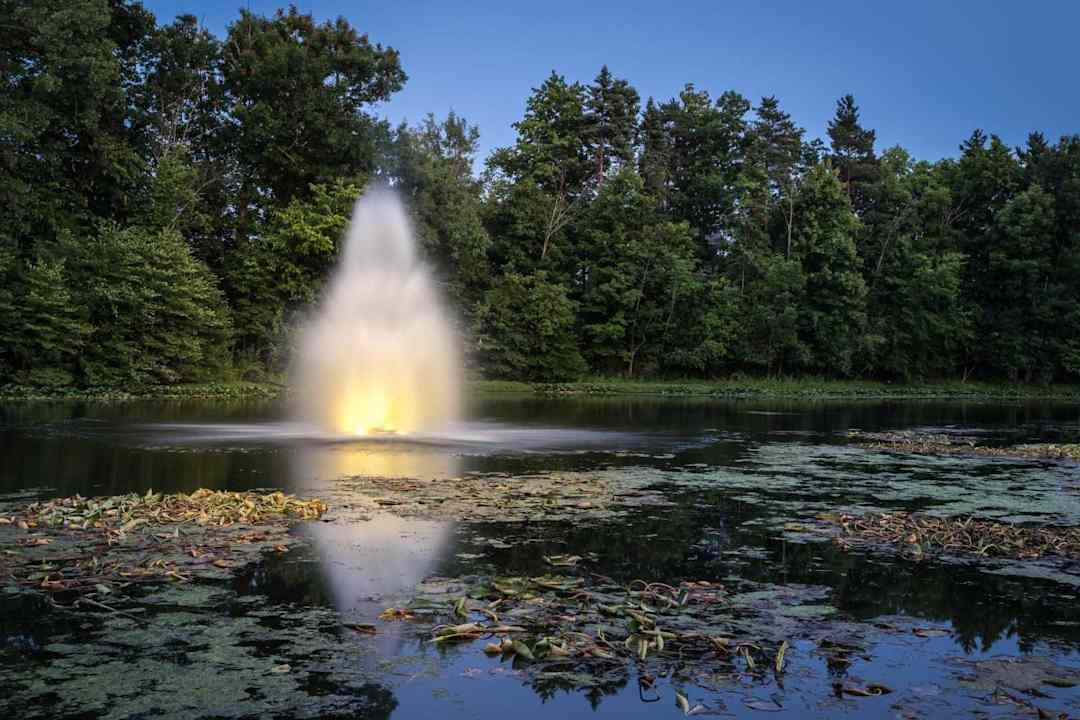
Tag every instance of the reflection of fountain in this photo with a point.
(381, 355)
(369, 565)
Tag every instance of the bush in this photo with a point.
(528, 330)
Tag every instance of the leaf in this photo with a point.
(280, 669)
(460, 609)
(682, 703)
(764, 705)
(523, 650)
(780, 656)
(930, 632)
(362, 628)
(1060, 682)
(131, 525)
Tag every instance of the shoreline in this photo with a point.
(804, 388)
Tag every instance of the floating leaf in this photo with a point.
(682, 703)
(460, 609)
(764, 705)
(780, 656)
(930, 632)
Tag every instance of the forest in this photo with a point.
(172, 202)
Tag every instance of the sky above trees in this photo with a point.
(925, 72)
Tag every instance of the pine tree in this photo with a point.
(612, 107)
(853, 154)
(776, 149)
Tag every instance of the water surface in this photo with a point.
(734, 473)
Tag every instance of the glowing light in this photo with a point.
(381, 355)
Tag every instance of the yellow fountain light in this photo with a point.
(363, 412)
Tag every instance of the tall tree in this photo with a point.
(299, 92)
(611, 110)
(69, 146)
(181, 105)
(431, 166)
(853, 153)
(983, 180)
(776, 150)
(703, 145)
(654, 162)
(919, 323)
(637, 276)
(549, 162)
(832, 318)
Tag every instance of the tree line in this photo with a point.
(173, 202)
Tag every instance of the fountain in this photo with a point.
(381, 355)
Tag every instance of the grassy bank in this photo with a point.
(787, 388)
(732, 388)
(201, 391)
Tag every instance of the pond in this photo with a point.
(599, 494)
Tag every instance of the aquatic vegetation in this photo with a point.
(586, 625)
(801, 387)
(123, 513)
(935, 444)
(504, 497)
(224, 390)
(100, 546)
(921, 535)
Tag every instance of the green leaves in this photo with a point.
(528, 325)
(298, 91)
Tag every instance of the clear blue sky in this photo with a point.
(924, 73)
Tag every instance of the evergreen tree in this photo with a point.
(156, 313)
(654, 164)
(853, 154)
(611, 110)
(982, 181)
(776, 151)
(704, 145)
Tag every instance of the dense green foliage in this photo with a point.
(172, 203)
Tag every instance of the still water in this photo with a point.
(733, 474)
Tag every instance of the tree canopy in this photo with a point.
(171, 203)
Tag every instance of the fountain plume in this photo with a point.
(381, 354)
